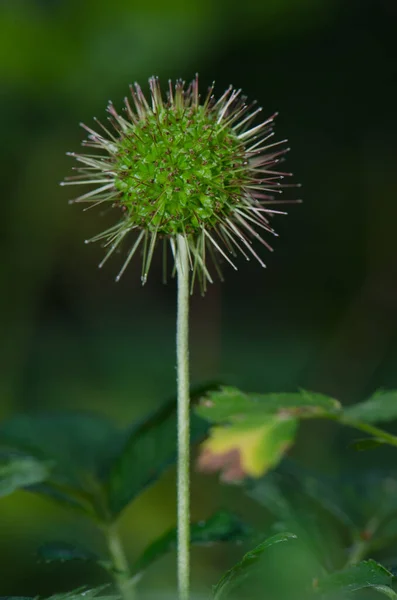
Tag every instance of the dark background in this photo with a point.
(324, 314)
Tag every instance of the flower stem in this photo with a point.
(119, 563)
(183, 480)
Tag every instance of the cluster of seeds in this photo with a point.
(179, 167)
(188, 178)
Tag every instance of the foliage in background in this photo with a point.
(323, 318)
(334, 527)
(254, 431)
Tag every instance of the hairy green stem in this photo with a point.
(121, 572)
(183, 480)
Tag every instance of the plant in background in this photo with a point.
(199, 175)
(83, 462)
(323, 533)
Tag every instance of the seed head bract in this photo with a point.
(177, 166)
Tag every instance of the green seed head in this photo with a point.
(178, 167)
(177, 171)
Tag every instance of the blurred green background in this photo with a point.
(324, 314)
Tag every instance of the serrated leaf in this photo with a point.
(237, 574)
(97, 468)
(221, 527)
(80, 447)
(366, 574)
(230, 404)
(380, 408)
(149, 448)
(248, 449)
(21, 471)
(64, 552)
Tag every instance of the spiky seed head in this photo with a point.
(180, 167)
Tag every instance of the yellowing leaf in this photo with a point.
(249, 448)
(229, 404)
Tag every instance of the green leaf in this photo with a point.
(380, 408)
(237, 574)
(267, 492)
(79, 444)
(249, 448)
(149, 449)
(363, 575)
(311, 511)
(322, 490)
(97, 468)
(17, 598)
(230, 404)
(64, 552)
(221, 527)
(367, 444)
(369, 496)
(21, 471)
(84, 594)
(66, 496)
(385, 590)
